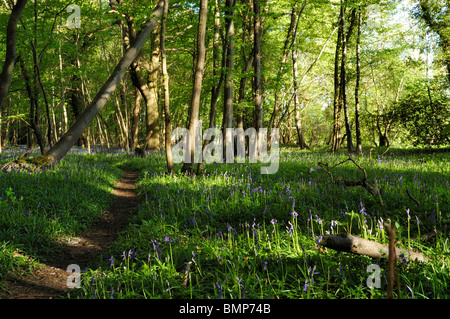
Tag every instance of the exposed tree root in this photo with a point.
(24, 163)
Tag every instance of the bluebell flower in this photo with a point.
(167, 239)
(290, 229)
(219, 288)
(412, 293)
(403, 258)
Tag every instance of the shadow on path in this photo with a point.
(49, 281)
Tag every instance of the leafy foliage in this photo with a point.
(423, 112)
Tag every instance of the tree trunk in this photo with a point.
(152, 111)
(356, 245)
(167, 121)
(44, 93)
(216, 55)
(298, 125)
(135, 119)
(358, 80)
(258, 119)
(229, 83)
(336, 134)
(10, 57)
(288, 43)
(60, 149)
(34, 118)
(343, 88)
(197, 87)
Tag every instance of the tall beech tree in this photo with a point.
(166, 91)
(198, 80)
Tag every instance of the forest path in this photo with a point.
(49, 281)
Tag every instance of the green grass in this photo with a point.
(41, 206)
(232, 233)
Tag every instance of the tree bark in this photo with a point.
(33, 107)
(358, 80)
(356, 245)
(216, 55)
(198, 80)
(135, 118)
(257, 25)
(10, 58)
(60, 149)
(298, 124)
(336, 133)
(229, 82)
(152, 110)
(167, 121)
(343, 88)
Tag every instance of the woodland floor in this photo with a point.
(49, 280)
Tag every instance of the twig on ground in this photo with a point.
(412, 198)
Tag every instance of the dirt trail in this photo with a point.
(50, 280)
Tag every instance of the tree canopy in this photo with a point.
(327, 74)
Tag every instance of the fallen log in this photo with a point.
(360, 246)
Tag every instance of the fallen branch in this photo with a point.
(373, 190)
(360, 246)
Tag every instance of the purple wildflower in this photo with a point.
(219, 288)
(167, 239)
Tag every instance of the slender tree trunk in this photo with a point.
(229, 83)
(33, 125)
(44, 93)
(198, 80)
(358, 80)
(216, 55)
(343, 94)
(167, 120)
(258, 120)
(298, 125)
(135, 119)
(60, 149)
(336, 134)
(10, 58)
(288, 43)
(217, 89)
